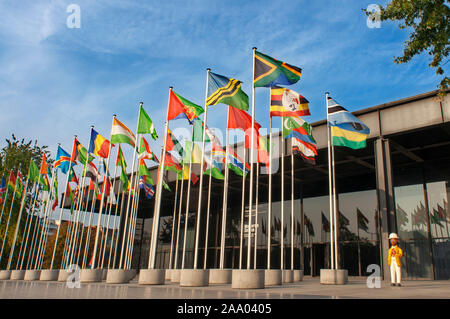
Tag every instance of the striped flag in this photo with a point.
(99, 145)
(120, 133)
(285, 102)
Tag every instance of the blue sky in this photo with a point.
(55, 82)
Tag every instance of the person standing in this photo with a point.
(395, 254)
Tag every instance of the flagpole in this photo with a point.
(241, 248)
(292, 210)
(85, 222)
(172, 239)
(37, 227)
(200, 192)
(9, 217)
(225, 198)
(336, 220)
(282, 196)
(61, 210)
(133, 223)
(359, 248)
(115, 235)
(179, 219)
(207, 217)
(188, 197)
(88, 234)
(256, 214)
(11, 253)
(330, 184)
(250, 200)
(23, 249)
(77, 242)
(6, 198)
(156, 213)
(269, 208)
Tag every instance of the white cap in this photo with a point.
(393, 235)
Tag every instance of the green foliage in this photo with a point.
(429, 21)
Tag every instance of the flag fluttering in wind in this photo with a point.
(236, 164)
(79, 153)
(20, 186)
(227, 91)
(33, 172)
(346, 129)
(172, 144)
(300, 133)
(147, 187)
(213, 168)
(145, 124)
(238, 119)
(309, 226)
(62, 160)
(263, 150)
(73, 177)
(197, 131)
(120, 133)
(192, 153)
(120, 161)
(2, 189)
(285, 102)
(90, 170)
(12, 181)
(271, 72)
(218, 153)
(179, 107)
(143, 171)
(99, 145)
(44, 169)
(362, 220)
(187, 173)
(171, 164)
(145, 152)
(325, 223)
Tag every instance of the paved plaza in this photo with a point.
(307, 289)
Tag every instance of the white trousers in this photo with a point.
(396, 272)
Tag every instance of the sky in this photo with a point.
(56, 81)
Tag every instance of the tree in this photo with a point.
(429, 21)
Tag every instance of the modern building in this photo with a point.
(399, 183)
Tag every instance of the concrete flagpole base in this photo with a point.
(248, 279)
(168, 275)
(17, 274)
(31, 275)
(152, 276)
(288, 276)
(333, 276)
(5, 274)
(49, 275)
(273, 277)
(91, 275)
(120, 276)
(194, 277)
(220, 276)
(64, 274)
(298, 275)
(175, 277)
(104, 274)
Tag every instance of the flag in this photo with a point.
(166, 185)
(309, 226)
(145, 124)
(285, 102)
(73, 177)
(211, 137)
(145, 152)
(236, 164)
(171, 164)
(218, 153)
(91, 171)
(80, 153)
(148, 188)
(44, 169)
(441, 212)
(2, 188)
(325, 223)
(346, 129)
(263, 150)
(20, 186)
(197, 131)
(213, 168)
(55, 191)
(33, 172)
(63, 160)
(44, 182)
(12, 181)
(238, 119)
(307, 151)
(296, 127)
(70, 194)
(187, 172)
(227, 91)
(143, 171)
(173, 144)
(120, 133)
(434, 217)
(343, 221)
(271, 72)
(179, 107)
(99, 145)
(362, 220)
(192, 153)
(120, 161)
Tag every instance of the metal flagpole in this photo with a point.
(61, 211)
(250, 200)
(23, 248)
(156, 213)
(9, 216)
(16, 232)
(37, 227)
(132, 229)
(330, 183)
(188, 197)
(200, 192)
(109, 216)
(269, 208)
(172, 239)
(225, 199)
(256, 214)
(336, 221)
(292, 210)
(179, 220)
(207, 219)
(77, 242)
(88, 234)
(5, 199)
(282, 196)
(115, 235)
(84, 208)
(241, 248)
(70, 232)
